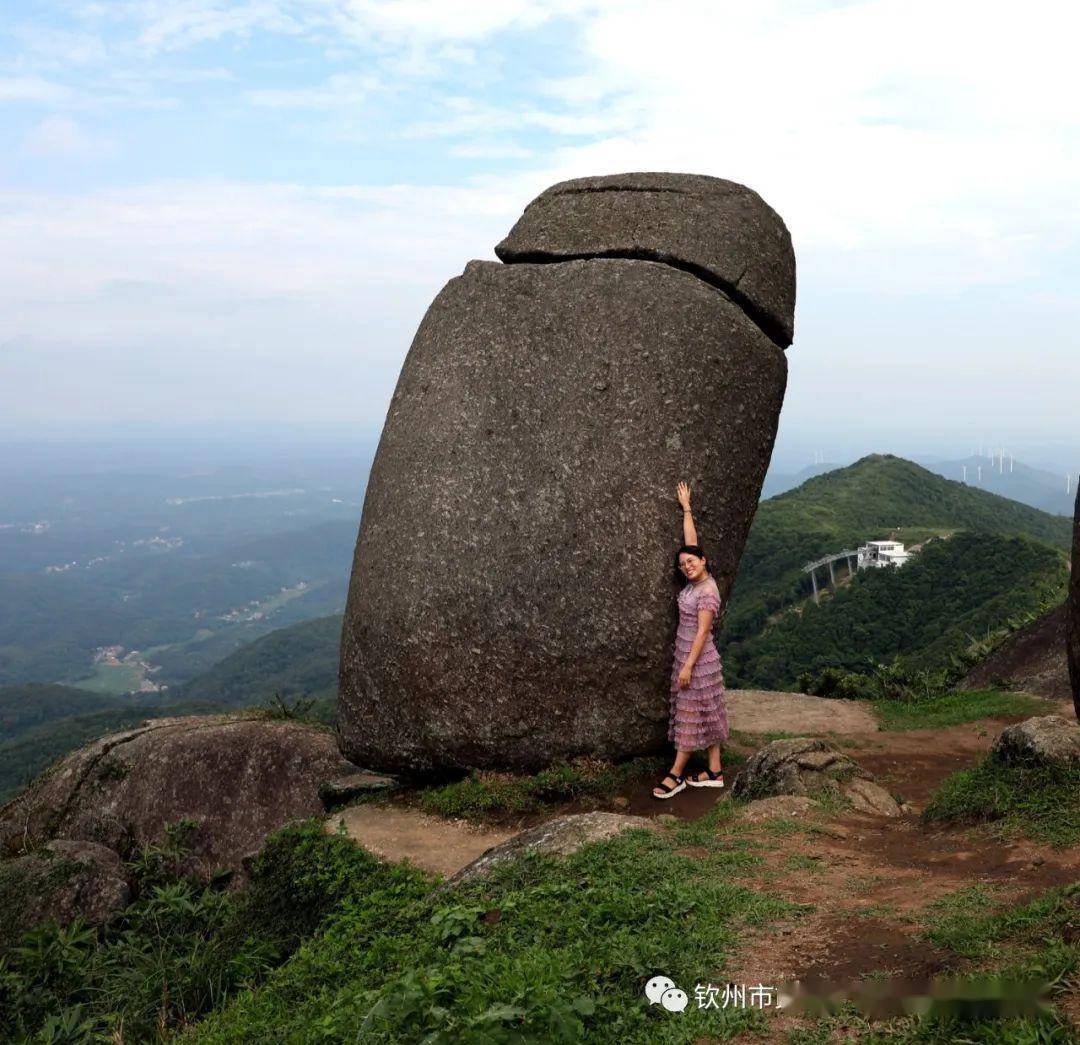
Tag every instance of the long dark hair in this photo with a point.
(690, 549)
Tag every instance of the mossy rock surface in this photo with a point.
(62, 880)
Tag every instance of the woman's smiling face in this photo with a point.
(692, 566)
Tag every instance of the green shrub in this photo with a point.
(484, 794)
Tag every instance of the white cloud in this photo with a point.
(32, 89)
(493, 151)
(346, 90)
(880, 126)
(60, 136)
(48, 47)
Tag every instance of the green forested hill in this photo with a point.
(950, 592)
(23, 707)
(877, 495)
(41, 723)
(298, 660)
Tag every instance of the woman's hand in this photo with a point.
(683, 493)
(684, 676)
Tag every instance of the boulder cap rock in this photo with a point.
(721, 231)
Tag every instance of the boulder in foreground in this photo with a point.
(1043, 740)
(811, 767)
(558, 837)
(233, 779)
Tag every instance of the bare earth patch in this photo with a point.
(428, 842)
(764, 711)
(868, 880)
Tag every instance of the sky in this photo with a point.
(232, 216)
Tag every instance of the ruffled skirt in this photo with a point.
(698, 714)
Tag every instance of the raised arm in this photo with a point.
(689, 532)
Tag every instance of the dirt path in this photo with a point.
(867, 880)
(428, 842)
(765, 711)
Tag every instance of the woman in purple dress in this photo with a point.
(698, 714)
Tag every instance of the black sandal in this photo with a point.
(680, 783)
(711, 779)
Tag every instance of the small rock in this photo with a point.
(559, 837)
(868, 797)
(345, 788)
(621, 802)
(1044, 739)
(833, 831)
(64, 880)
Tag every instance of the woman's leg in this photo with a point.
(681, 758)
(714, 758)
(714, 763)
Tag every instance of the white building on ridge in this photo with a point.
(882, 553)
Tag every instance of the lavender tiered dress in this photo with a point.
(698, 714)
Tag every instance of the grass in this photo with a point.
(544, 950)
(952, 708)
(484, 796)
(1002, 949)
(1039, 801)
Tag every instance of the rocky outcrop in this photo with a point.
(813, 768)
(511, 601)
(1043, 740)
(1073, 637)
(62, 881)
(1033, 659)
(233, 779)
(558, 837)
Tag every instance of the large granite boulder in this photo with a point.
(511, 601)
(1073, 635)
(232, 779)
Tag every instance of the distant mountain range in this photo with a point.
(1000, 558)
(1008, 478)
(878, 497)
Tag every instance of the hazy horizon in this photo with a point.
(237, 216)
